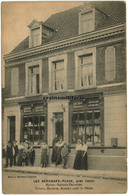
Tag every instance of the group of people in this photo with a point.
(24, 154)
(19, 155)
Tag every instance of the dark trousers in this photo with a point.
(10, 159)
(14, 160)
(32, 161)
(65, 161)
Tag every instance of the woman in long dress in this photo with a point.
(59, 145)
(44, 154)
(20, 151)
(84, 163)
(78, 157)
(54, 151)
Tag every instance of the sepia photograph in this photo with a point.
(64, 101)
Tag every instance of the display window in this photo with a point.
(34, 124)
(87, 122)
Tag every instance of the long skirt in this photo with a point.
(44, 157)
(19, 158)
(77, 161)
(54, 154)
(59, 159)
(84, 162)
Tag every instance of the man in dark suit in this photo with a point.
(9, 154)
(15, 152)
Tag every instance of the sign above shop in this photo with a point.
(78, 104)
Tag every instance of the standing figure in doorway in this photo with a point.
(15, 149)
(20, 151)
(32, 156)
(64, 155)
(44, 153)
(9, 154)
(54, 151)
(59, 146)
(78, 157)
(84, 163)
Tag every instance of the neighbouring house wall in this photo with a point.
(115, 119)
(8, 112)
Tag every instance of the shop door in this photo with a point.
(12, 128)
(59, 124)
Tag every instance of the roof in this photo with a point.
(66, 23)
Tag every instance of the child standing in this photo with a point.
(64, 155)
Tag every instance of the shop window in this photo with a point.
(34, 80)
(58, 75)
(14, 81)
(34, 129)
(110, 69)
(87, 125)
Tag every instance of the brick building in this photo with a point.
(68, 77)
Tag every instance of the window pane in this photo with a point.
(34, 80)
(87, 22)
(81, 117)
(97, 135)
(96, 115)
(89, 117)
(89, 134)
(42, 128)
(81, 130)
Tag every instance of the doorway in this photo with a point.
(59, 124)
(12, 128)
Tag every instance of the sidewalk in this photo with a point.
(104, 174)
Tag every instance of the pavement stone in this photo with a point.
(104, 174)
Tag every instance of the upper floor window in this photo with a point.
(58, 73)
(33, 77)
(110, 68)
(35, 37)
(14, 81)
(87, 22)
(34, 80)
(85, 68)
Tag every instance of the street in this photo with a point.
(22, 183)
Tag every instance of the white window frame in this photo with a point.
(51, 62)
(77, 67)
(27, 66)
(80, 20)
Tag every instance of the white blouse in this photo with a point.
(85, 147)
(78, 147)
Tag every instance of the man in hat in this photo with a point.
(15, 151)
(9, 154)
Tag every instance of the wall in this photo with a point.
(115, 119)
(21, 88)
(11, 111)
(119, 60)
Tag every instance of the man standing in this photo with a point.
(15, 152)
(9, 154)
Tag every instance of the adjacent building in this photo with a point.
(68, 77)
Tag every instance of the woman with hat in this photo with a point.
(44, 153)
(78, 157)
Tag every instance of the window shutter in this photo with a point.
(110, 64)
(14, 81)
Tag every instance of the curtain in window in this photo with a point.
(59, 75)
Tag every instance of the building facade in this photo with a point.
(68, 77)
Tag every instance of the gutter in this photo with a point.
(82, 38)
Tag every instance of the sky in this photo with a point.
(16, 16)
